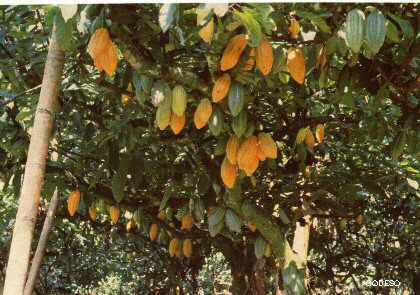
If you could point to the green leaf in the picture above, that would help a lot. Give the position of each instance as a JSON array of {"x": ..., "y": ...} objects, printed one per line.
[
  {"x": 405, "y": 25},
  {"x": 316, "y": 19},
  {"x": 252, "y": 26},
  {"x": 63, "y": 32},
  {"x": 217, "y": 217},
  {"x": 214, "y": 229},
  {"x": 233, "y": 221},
  {"x": 259, "y": 247},
  {"x": 199, "y": 209},
  {"x": 117, "y": 185},
  {"x": 166, "y": 196},
  {"x": 265, "y": 9},
  {"x": 203, "y": 185},
  {"x": 392, "y": 32},
  {"x": 167, "y": 15},
  {"x": 23, "y": 115}
]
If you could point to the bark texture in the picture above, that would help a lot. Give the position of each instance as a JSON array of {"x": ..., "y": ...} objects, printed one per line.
[
  {"x": 20, "y": 248},
  {"x": 42, "y": 245}
]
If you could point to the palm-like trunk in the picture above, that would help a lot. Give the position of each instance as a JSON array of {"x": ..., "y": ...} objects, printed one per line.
[{"x": 17, "y": 267}]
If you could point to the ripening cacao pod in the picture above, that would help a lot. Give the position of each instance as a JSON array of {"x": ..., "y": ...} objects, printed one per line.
[
  {"x": 247, "y": 155},
  {"x": 98, "y": 42},
  {"x": 375, "y": 31},
  {"x": 179, "y": 100},
  {"x": 301, "y": 135},
  {"x": 228, "y": 173},
  {"x": 163, "y": 117},
  {"x": 177, "y": 123},
  {"x": 355, "y": 27},
  {"x": 73, "y": 202},
  {"x": 187, "y": 248},
  {"x": 202, "y": 113},
  {"x": 319, "y": 132},
  {"x": 92, "y": 213},
  {"x": 232, "y": 147},
  {"x": 114, "y": 212},
  {"x": 252, "y": 165},
  {"x": 294, "y": 28},
  {"x": 173, "y": 247},
  {"x": 267, "y": 144},
  {"x": 187, "y": 222},
  {"x": 249, "y": 63},
  {"x": 264, "y": 57},
  {"x": 161, "y": 215},
  {"x": 239, "y": 123},
  {"x": 309, "y": 139},
  {"x": 236, "y": 99},
  {"x": 296, "y": 64},
  {"x": 221, "y": 87},
  {"x": 233, "y": 51},
  {"x": 206, "y": 33},
  {"x": 103, "y": 51},
  {"x": 153, "y": 231}
]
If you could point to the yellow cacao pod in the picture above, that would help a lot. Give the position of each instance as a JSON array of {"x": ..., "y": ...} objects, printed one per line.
[
  {"x": 260, "y": 154},
  {"x": 177, "y": 123},
  {"x": 106, "y": 57},
  {"x": 163, "y": 116},
  {"x": 233, "y": 51},
  {"x": 221, "y": 88},
  {"x": 268, "y": 146},
  {"x": 264, "y": 57},
  {"x": 301, "y": 135},
  {"x": 249, "y": 63},
  {"x": 232, "y": 147},
  {"x": 73, "y": 202},
  {"x": 294, "y": 28},
  {"x": 206, "y": 33},
  {"x": 247, "y": 155},
  {"x": 161, "y": 215},
  {"x": 187, "y": 222},
  {"x": 296, "y": 64},
  {"x": 359, "y": 219},
  {"x": 173, "y": 247},
  {"x": 98, "y": 42},
  {"x": 202, "y": 113},
  {"x": 319, "y": 132},
  {"x": 228, "y": 173},
  {"x": 187, "y": 248},
  {"x": 92, "y": 213},
  {"x": 114, "y": 212},
  {"x": 153, "y": 231},
  {"x": 251, "y": 166},
  {"x": 309, "y": 139}
]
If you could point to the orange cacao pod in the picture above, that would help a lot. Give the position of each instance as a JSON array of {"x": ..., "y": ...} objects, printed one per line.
[
  {"x": 114, "y": 212},
  {"x": 98, "y": 42},
  {"x": 247, "y": 155},
  {"x": 252, "y": 165},
  {"x": 319, "y": 132},
  {"x": 73, "y": 202},
  {"x": 264, "y": 57},
  {"x": 296, "y": 64},
  {"x": 187, "y": 248},
  {"x": 233, "y": 51},
  {"x": 92, "y": 213},
  {"x": 153, "y": 231},
  {"x": 187, "y": 222},
  {"x": 173, "y": 247},
  {"x": 232, "y": 147},
  {"x": 202, "y": 113},
  {"x": 309, "y": 139},
  {"x": 251, "y": 227},
  {"x": 221, "y": 88},
  {"x": 228, "y": 173},
  {"x": 249, "y": 64},
  {"x": 294, "y": 28},
  {"x": 268, "y": 146},
  {"x": 161, "y": 215},
  {"x": 260, "y": 154},
  {"x": 177, "y": 123}
]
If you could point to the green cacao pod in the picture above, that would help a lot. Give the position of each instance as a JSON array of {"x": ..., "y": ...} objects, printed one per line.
[
  {"x": 146, "y": 83},
  {"x": 260, "y": 245},
  {"x": 375, "y": 31},
  {"x": 236, "y": 100},
  {"x": 216, "y": 122},
  {"x": 239, "y": 124},
  {"x": 355, "y": 26},
  {"x": 161, "y": 93},
  {"x": 163, "y": 116},
  {"x": 179, "y": 100}
]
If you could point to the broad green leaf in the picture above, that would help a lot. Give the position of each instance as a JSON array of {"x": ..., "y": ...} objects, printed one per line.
[
  {"x": 117, "y": 185},
  {"x": 167, "y": 15},
  {"x": 64, "y": 32},
  {"x": 316, "y": 19},
  {"x": 166, "y": 196},
  {"x": 405, "y": 25},
  {"x": 252, "y": 26},
  {"x": 233, "y": 222},
  {"x": 23, "y": 115},
  {"x": 217, "y": 216},
  {"x": 392, "y": 32}
]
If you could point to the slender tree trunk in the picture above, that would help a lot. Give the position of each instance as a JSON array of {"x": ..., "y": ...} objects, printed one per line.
[
  {"x": 42, "y": 245},
  {"x": 301, "y": 242},
  {"x": 20, "y": 248}
]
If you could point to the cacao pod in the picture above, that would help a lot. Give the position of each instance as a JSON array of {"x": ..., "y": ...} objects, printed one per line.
[
  {"x": 216, "y": 122},
  {"x": 187, "y": 222},
  {"x": 251, "y": 227},
  {"x": 236, "y": 99},
  {"x": 107, "y": 60},
  {"x": 375, "y": 31},
  {"x": 309, "y": 139},
  {"x": 301, "y": 135},
  {"x": 253, "y": 180},
  {"x": 92, "y": 213},
  {"x": 355, "y": 27},
  {"x": 247, "y": 155},
  {"x": 228, "y": 173},
  {"x": 294, "y": 28},
  {"x": 319, "y": 132},
  {"x": 173, "y": 247},
  {"x": 153, "y": 232},
  {"x": 187, "y": 248},
  {"x": 163, "y": 117},
  {"x": 206, "y": 33},
  {"x": 98, "y": 43},
  {"x": 233, "y": 51},
  {"x": 296, "y": 64},
  {"x": 239, "y": 124},
  {"x": 179, "y": 100},
  {"x": 260, "y": 153},
  {"x": 267, "y": 144},
  {"x": 161, "y": 93},
  {"x": 126, "y": 97},
  {"x": 232, "y": 147},
  {"x": 73, "y": 202},
  {"x": 129, "y": 226},
  {"x": 202, "y": 113},
  {"x": 114, "y": 212},
  {"x": 264, "y": 57},
  {"x": 359, "y": 219},
  {"x": 249, "y": 63},
  {"x": 161, "y": 215},
  {"x": 221, "y": 87},
  {"x": 177, "y": 123}
]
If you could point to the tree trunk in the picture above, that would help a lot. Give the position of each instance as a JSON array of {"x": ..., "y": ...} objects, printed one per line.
[
  {"x": 301, "y": 243},
  {"x": 42, "y": 245},
  {"x": 20, "y": 248}
]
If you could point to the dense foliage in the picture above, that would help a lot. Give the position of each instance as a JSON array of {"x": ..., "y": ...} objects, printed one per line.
[{"x": 358, "y": 185}]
